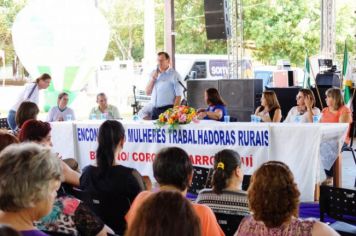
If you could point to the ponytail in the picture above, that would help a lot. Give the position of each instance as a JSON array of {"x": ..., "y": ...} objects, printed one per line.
[
  {"x": 225, "y": 163},
  {"x": 111, "y": 132}
]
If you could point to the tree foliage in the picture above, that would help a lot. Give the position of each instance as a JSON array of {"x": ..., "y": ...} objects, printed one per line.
[{"x": 276, "y": 29}]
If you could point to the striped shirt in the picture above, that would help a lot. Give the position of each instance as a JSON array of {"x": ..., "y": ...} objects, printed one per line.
[{"x": 228, "y": 202}]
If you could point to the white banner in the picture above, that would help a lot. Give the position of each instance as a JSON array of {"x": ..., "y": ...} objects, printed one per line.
[
  {"x": 143, "y": 141},
  {"x": 297, "y": 145}
]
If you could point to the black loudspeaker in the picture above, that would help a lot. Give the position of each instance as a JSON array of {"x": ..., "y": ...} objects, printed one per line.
[
  {"x": 290, "y": 78},
  {"x": 242, "y": 96},
  {"x": 196, "y": 89},
  {"x": 328, "y": 79},
  {"x": 216, "y": 19}
]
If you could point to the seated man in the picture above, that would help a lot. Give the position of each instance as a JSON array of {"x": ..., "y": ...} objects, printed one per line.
[
  {"x": 173, "y": 171},
  {"x": 109, "y": 111}
]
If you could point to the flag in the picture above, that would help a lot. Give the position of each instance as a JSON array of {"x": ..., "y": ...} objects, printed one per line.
[
  {"x": 346, "y": 77},
  {"x": 306, "y": 83}
]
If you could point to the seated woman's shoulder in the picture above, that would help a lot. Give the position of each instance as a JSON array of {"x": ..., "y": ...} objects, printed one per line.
[{"x": 320, "y": 228}]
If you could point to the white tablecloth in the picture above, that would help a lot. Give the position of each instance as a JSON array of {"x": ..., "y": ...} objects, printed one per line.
[{"x": 297, "y": 145}]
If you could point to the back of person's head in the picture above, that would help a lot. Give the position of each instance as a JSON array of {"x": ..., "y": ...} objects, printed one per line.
[
  {"x": 111, "y": 134},
  {"x": 26, "y": 173},
  {"x": 6, "y": 230},
  {"x": 6, "y": 139},
  {"x": 172, "y": 166},
  {"x": 336, "y": 94},
  {"x": 309, "y": 93},
  {"x": 34, "y": 131},
  {"x": 213, "y": 97},
  {"x": 271, "y": 99},
  {"x": 27, "y": 111},
  {"x": 273, "y": 195},
  {"x": 165, "y": 213},
  {"x": 225, "y": 164}
]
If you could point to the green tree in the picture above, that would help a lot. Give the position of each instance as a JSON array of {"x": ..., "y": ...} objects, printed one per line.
[
  {"x": 8, "y": 12},
  {"x": 284, "y": 29}
]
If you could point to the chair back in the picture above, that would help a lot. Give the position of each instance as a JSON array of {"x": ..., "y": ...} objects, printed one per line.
[
  {"x": 4, "y": 124},
  {"x": 338, "y": 203},
  {"x": 200, "y": 177},
  {"x": 110, "y": 209},
  {"x": 229, "y": 223}
]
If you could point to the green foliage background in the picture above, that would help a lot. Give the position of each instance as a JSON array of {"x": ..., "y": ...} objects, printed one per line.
[{"x": 273, "y": 29}]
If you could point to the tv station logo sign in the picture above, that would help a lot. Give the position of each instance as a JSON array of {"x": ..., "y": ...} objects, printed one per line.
[{"x": 218, "y": 68}]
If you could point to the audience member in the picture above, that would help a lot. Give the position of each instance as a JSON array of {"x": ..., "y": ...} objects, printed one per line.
[
  {"x": 270, "y": 110},
  {"x": 69, "y": 215},
  {"x": 173, "y": 171},
  {"x": 165, "y": 213},
  {"x": 335, "y": 112},
  {"x": 6, "y": 139},
  {"x": 305, "y": 109},
  {"x": 6, "y": 230},
  {"x": 274, "y": 201},
  {"x": 26, "y": 111},
  {"x": 40, "y": 132},
  {"x": 226, "y": 196},
  {"x": 216, "y": 106},
  {"x": 31, "y": 94},
  {"x": 110, "y": 180},
  {"x": 104, "y": 109},
  {"x": 61, "y": 112},
  {"x": 30, "y": 177}
]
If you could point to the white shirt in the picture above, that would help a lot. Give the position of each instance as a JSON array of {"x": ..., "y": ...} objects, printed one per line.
[
  {"x": 293, "y": 113},
  {"x": 55, "y": 114},
  {"x": 24, "y": 95}
]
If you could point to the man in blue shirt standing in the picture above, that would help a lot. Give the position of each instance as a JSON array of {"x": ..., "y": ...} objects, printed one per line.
[{"x": 164, "y": 86}]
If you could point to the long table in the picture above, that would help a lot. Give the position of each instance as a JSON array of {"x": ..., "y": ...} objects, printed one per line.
[{"x": 300, "y": 146}]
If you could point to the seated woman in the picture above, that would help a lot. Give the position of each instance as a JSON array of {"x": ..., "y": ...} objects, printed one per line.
[
  {"x": 6, "y": 139},
  {"x": 270, "y": 110},
  {"x": 305, "y": 109},
  {"x": 69, "y": 215},
  {"x": 26, "y": 111},
  {"x": 226, "y": 197},
  {"x": 274, "y": 206},
  {"x": 6, "y": 230},
  {"x": 161, "y": 206},
  {"x": 335, "y": 112},
  {"x": 216, "y": 106},
  {"x": 108, "y": 179},
  {"x": 30, "y": 177},
  {"x": 61, "y": 112},
  {"x": 40, "y": 132}
]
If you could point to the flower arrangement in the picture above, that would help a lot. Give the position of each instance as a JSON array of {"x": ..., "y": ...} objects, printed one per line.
[{"x": 176, "y": 116}]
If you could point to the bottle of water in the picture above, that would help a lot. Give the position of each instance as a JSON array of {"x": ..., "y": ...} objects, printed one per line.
[{"x": 136, "y": 118}]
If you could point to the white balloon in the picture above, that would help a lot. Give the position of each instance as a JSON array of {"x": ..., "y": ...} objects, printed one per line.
[{"x": 68, "y": 38}]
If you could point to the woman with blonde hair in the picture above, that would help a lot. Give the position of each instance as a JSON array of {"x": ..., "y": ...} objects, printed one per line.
[
  {"x": 30, "y": 177},
  {"x": 270, "y": 110},
  {"x": 335, "y": 112},
  {"x": 275, "y": 205}
]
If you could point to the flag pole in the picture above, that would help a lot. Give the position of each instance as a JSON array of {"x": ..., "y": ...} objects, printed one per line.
[{"x": 316, "y": 85}]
